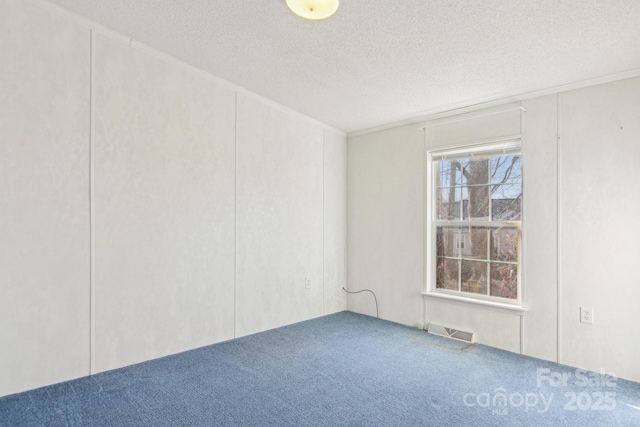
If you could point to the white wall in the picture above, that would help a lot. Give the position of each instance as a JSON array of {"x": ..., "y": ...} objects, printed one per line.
[
  {"x": 599, "y": 229},
  {"x": 540, "y": 227},
  {"x": 44, "y": 198},
  {"x": 335, "y": 221},
  {"x": 591, "y": 171},
  {"x": 148, "y": 208},
  {"x": 279, "y": 218},
  {"x": 384, "y": 226},
  {"x": 163, "y": 211}
]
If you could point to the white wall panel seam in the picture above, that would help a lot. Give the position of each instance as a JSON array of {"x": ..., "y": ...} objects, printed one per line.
[
  {"x": 559, "y": 227},
  {"x": 235, "y": 221},
  {"x": 345, "y": 249},
  {"x": 324, "y": 142},
  {"x": 92, "y": 236},
  {"x": 522, "y": 258},
  {"x": 426, "y": 223}
]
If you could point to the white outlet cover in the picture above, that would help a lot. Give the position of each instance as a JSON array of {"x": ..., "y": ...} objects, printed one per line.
[{"x": 586, "y": 315}]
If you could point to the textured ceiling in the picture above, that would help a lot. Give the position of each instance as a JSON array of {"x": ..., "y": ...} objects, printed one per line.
[{"x": 380, "y": 61}]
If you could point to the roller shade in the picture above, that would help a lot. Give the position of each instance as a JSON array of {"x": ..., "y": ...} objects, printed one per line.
[{"x": 512, "y": 146}]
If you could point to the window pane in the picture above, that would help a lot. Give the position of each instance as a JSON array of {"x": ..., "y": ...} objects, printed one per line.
[
  {"x": 504, "y": 280},
  {"x": 504, "y": 244},
  {"x": 447, "y": 241},
  {"x": 506, "y": 191},
  {"x": 474, "y": 277},
  {"x": 444, "y": 174},
  {"x": 476, "y": 239},
  {"x": 476, "y": 172},
  {"x": 448, "y": 204},
  {"x": 447, "y": 274},
  {"x": 450, "y": 173},
  {"x": 465, "y": 202},
  {"x": 476, "y": 203},
  {"x": 506, "y": 202},
  {"x": 459, "y": 166},
  {"x": 505, "y": 169}
]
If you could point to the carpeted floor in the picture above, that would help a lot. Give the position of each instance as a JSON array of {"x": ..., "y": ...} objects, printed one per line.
[{"x": 342, "y": 369}]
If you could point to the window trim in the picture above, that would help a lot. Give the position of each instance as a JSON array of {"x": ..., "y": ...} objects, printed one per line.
[
  {"x": 492, "y": 147},
  {"x": 460, "y": 299}
]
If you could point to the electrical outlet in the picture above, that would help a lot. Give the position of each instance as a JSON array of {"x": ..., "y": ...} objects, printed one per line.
[
  {"x": 307, "y": 283},
  {"x": 586, "y": 315}
]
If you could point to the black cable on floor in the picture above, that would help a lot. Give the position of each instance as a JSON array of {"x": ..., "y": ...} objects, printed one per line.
[{"x": 365, "y": 290}]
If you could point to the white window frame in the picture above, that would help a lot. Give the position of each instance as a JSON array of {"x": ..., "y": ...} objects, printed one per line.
[{"x": 493, "y": 147}]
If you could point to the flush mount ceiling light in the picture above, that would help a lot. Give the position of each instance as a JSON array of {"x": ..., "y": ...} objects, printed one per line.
[{"x": 313, "y": 9}]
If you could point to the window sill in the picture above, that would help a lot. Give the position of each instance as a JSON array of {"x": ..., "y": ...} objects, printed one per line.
[{"x": 489, "y": 305}]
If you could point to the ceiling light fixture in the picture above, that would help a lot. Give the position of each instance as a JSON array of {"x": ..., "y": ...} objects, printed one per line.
[{"x": 313, "y": 9}]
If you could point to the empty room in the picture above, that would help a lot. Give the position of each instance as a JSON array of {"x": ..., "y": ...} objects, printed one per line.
[{"x": 319, "y": 213}]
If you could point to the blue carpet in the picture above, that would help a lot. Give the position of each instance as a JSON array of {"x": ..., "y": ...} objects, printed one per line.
[{"x": 342, "y": 369}]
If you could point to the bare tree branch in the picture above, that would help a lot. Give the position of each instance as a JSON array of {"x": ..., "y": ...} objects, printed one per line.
[{"x": 506, "y": 176}]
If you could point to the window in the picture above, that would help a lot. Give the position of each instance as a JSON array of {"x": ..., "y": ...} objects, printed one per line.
[{"x": 475, "y": 215}]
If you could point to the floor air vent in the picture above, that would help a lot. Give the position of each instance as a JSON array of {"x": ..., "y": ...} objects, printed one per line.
[{"x": 450, "y": 333}]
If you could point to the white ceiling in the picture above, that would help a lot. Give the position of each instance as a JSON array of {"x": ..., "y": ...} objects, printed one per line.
[{"x": 380, "y": 61}]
